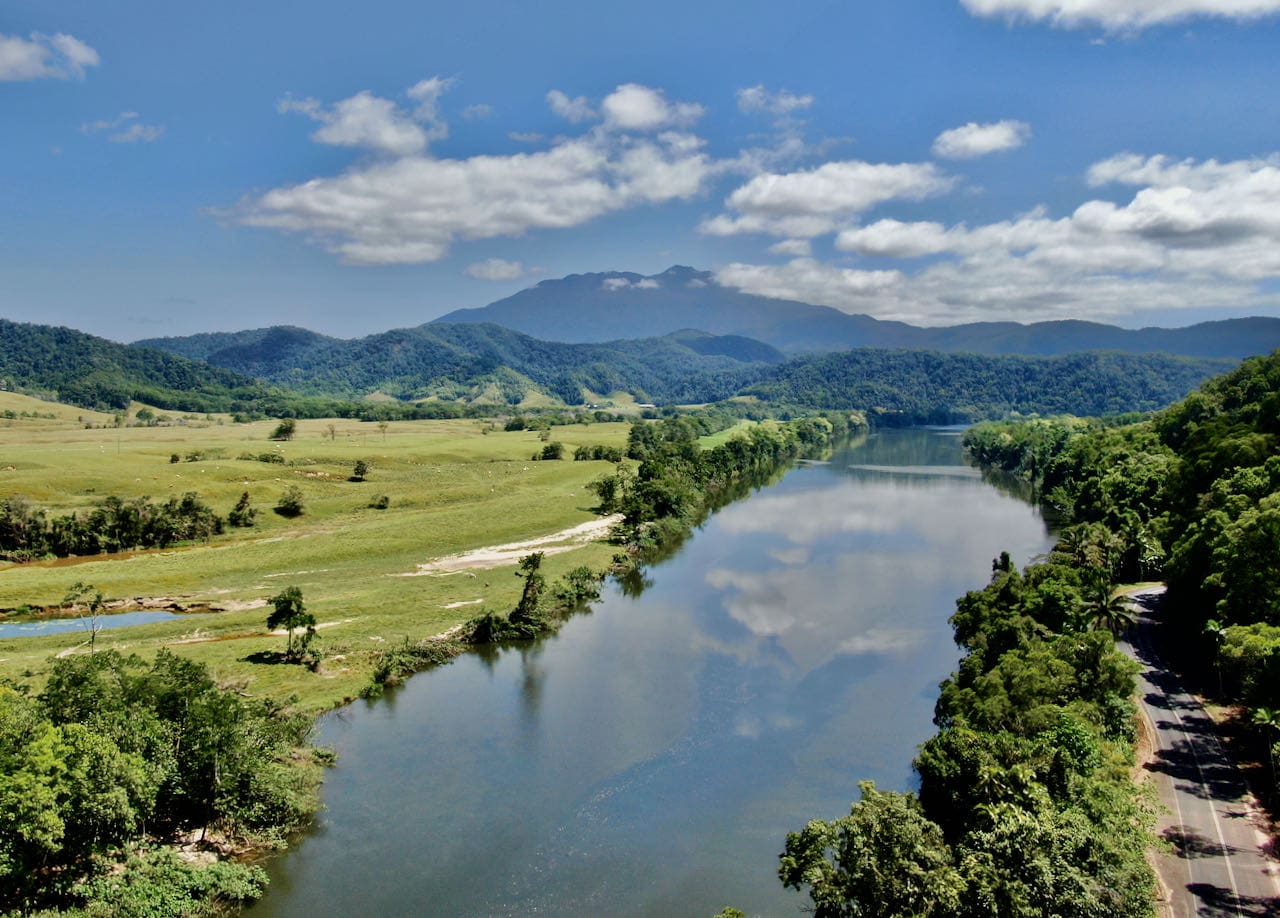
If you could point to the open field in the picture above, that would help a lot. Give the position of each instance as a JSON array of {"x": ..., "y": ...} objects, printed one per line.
[{"x": 454, "y": 487}]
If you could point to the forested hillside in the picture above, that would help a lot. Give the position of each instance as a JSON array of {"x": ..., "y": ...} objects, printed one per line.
[
  {"x": 463, "y": 361},
  {"x": 1193, "y": 496},
  {"x": 96, "y": 373},
  {"x": 926, "y": 386}
]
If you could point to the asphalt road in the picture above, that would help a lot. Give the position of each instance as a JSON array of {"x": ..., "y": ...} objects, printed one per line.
[{"x": 1217, "y": 866}]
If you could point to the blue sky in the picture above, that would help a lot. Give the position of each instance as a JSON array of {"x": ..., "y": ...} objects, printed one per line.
[{"x": 167, "y": 169}]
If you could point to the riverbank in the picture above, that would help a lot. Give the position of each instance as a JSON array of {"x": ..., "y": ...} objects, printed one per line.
[{"x": 538, "y": 609}]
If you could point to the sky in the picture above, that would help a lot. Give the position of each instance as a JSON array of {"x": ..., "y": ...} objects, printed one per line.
[{"x": 171, "y": 168}]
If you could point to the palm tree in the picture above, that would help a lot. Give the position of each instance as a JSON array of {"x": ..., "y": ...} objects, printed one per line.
[
  {"x": 1269, "y": 720},
  {"x": 1107, "y": 610}
]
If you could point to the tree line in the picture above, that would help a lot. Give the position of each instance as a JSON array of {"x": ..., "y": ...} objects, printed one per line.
[
  {"x": 1191, "y": 495},
  {"x": 1025, "y": 805},
  {"x": 115, "y": 524}
]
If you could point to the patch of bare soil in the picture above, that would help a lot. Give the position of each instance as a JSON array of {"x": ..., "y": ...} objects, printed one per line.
[{"x": 499, "y": 555}]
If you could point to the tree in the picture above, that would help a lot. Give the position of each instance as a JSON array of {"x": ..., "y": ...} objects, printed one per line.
[
  {"x": 382, "y": 426},
  {"x": 285, "y": 429},
  {"x": 1216, "y": 632},
  {"x": 360, "y": 470},
  {"x": 333, "y": 431},
  {"x": 1268, "y": 720},
  {"x": 288, "y": 612},
  {"x": 527, "y": 609},
  {"x": 90, "y": 617},
  {"x": 884, "y": 859},
  {"x": 290, "y": 503},
  {"x": 242, "y": 514}
]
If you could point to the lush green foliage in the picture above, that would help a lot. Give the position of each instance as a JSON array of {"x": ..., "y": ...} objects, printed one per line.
[
  {"x": 1025, "y": 805},
  {"x": 1193, "y": 493},
  {"x": 115, "y": 750},
  {"x": 913, "y": 387},
  {"x": 27, "y": 533},
  {"x": 97, "y": 373}
]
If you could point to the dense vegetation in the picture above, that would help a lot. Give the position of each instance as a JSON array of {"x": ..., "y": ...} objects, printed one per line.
[
  {"x": 117, "y": 757},
  {"x": 26, "y": 533},
  {"x": 1193, "y": 495},
  {"x": 1025, "y": 806},
  {"x": 96, "y": 373},
  {"x": 485, "y": 362},
  {"x": 912, "y": 387},
  {"x": 446, "y": 370}
]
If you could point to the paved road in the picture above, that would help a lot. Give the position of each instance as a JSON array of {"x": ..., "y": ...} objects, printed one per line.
[{"x": 1217, "y": 866}]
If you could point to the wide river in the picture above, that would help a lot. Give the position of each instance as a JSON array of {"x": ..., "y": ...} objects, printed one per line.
[{"x": 650, "y": 759}]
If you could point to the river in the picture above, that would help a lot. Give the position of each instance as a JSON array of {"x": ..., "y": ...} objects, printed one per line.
[{"x": 651, "y": 757}]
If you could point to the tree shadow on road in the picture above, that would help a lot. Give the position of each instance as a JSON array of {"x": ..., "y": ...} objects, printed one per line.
[
  {"x": 1215, "y": 900},
  {"x": 1191, "y": 845}
]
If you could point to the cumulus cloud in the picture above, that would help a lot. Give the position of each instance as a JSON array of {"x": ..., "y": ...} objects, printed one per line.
[
  {"x": 412, "y": 207},
  {"x": 39, "y": 57},
  {"x": 1194, "y": 234},
  {"x": 1120, "y": 15},
  {"x": 973, "y": 140},
  {"x": 782, "y": 102},
  {"x": 632, "y": 107},
  {"x": 369, "y": 121},
  {"x": 894, "y": 239},
  {"x": 614, "y": 284},
  {"x": 124, "y": 128},
  {"x": 496, "y": 269},
  {"x": 575, "y": 110},
  {"x": 802, "y": 205}
]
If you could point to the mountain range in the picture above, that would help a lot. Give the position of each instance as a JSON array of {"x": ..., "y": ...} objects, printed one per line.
[{"x": 615, "y": 305}]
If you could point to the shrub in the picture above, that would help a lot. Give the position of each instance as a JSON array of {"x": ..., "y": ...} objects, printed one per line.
[{"x": 290, "y": 503}]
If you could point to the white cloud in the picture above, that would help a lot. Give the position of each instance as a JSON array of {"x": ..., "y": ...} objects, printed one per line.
[
  {"x": 369, "y": 121},
  {"x": 137, "y": 133},
  {"x": 496, "y": 269},
  {"x": 632, "y": 107},
  {"x": 478, "y": 112},
  {"x": 812, "y": 281},
  {"x": 893, "y": 239},
  {"x": 1194, "y": 234},
  {"x": 614, "y": 284},
  {"x": 575, "y": 110},
  {"x": 782, "y": 102},
  {"x": 58, "y": 57},
  {"x": 124, "y": 128},
  {"x": 1120, "y": 15},
  {"x": 819, "y": 201},
  {"x": 526, "y": 137},
  {"x": 798, "y": 248},
  {"x": 973, "y": 140},
  {"x": 413, "y": 208}
]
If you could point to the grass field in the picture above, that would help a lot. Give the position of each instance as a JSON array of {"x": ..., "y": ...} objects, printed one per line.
[{"x": 453, "y": 486}]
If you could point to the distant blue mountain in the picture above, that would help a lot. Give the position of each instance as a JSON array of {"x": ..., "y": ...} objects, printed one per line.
[{"x": 618, "y": 305}]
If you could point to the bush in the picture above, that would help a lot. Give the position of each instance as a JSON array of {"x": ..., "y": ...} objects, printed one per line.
[
  {"x": 381, "y": 502},
  {"x": 290, "y": 503}
]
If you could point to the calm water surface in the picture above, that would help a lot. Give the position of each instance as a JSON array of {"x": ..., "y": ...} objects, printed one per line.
[
  {"x": 61, "y": 625},
  {"x": 650, "y": 759}
]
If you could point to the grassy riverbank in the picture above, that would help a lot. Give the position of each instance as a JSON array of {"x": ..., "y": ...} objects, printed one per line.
[{"x": 452, "y": 487}]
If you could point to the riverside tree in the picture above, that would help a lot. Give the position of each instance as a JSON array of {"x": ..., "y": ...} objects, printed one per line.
[{"x": 289, "y": 612}]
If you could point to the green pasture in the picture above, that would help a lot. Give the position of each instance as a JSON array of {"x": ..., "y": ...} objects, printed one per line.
[{"x": 453, "y": 486}]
